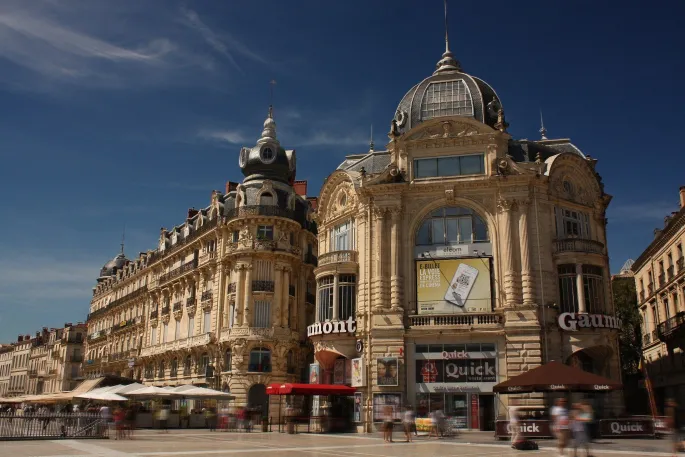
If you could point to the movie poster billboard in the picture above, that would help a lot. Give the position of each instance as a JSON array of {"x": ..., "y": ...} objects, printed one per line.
[
  {"x": 314, "y": 373},
  {"x": 387, "y": 370},
  {"x": 358, "y": 375},
  {"x": 454, "y": 286}
]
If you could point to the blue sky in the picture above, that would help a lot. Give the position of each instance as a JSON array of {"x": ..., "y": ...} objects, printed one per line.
[{"x": 128, "y": 113}]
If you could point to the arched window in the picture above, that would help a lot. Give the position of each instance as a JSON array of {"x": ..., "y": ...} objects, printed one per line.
[
  {"x": 187, "y": 366},
  {"x": 174, "y": 368},
  {"x": 267, "y": 199},
  {"x": 204, "y": 361},
  {"x": 228, "y": 360},
  {"x": 161, "y": 369},
  {"x": 446, "y": 98},
  {"x": 260, "y": 360},
  {"x": 452, "y": 225}
]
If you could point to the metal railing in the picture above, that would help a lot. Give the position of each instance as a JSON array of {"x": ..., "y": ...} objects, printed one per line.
[
  {"x": 262, "y": 286},
  {"x": 178, "y": 271},
  {"x": 38, "y": 426},
  {"x": 311, "y": 259},
  {"x": 650, "y": 289},
  {"x": 154, "y": 314},
  {"x": 662, "y": 279},
  {"x": 178, "y": 306},
  {"x": 578, "y": 245},
  {"x": 670, "y": 325},
  {"x": 680, "y": 263},
  {"x": 291, "y": 290},
  {"x": 467, "y": 320},
  {"x": 206, "y": 295},
  {"x": 641, "y": 295},
  {"x": 119, "y": 301},
  {"x": 337, "y": 257},
  {"x": 231, "y": 288},
  {"x": 166, "y": 309},
  {"x": 669, "y": 272}
]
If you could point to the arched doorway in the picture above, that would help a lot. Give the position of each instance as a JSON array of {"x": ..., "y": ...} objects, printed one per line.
[{"x": 257, "y": 399}]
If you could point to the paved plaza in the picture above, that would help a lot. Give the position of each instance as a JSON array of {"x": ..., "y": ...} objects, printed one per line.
[{"x": 214, "y": 444}]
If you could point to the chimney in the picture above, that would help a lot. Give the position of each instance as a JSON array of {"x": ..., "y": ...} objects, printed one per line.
[
  {"x": 657, "y": 233},
  {"x": 314, "y": 201},
  {"x": 192, "y": 212},
  {"x": 300, "y": 188},
  {"x": 231, "y": 186},
  {"x": 682, "y": 196},
  {"x": 20, "y": 338}
]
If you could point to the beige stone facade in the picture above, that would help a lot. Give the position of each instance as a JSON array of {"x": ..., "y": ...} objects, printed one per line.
[
  {"x": 223, "y": 300},
  {"x": 660, "y": 285},
  {"x": 528, "y": 214}
]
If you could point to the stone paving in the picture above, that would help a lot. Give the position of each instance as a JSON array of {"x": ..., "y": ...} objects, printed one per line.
[{"x": 215, "y": 444}]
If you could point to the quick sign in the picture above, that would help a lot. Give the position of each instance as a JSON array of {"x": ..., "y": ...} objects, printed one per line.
[
  {"x": 525, "y": 428},
  {"x": 456, "y": 371},
  {"x": 328, "y": 327},
  {"x": 573, "y": 322},
  {"x": 626, "y": 427}
]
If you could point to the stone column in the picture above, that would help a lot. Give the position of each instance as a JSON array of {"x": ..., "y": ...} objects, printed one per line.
[
  {"x": 286, "y": 297},
  {"x": 377, "y": 297},
  {"x": 336, "y": 297},
  {"x": 673, "y": 310},
  {"x": 279, "y": 300},
  {"x": 507, "y": 251},
  {"x": 653, "y": 321},
  {"x": 580, "y": 290},
  {"x": 527, "y": 283},
  {"x": 239, "y": 292},
  {"x": 247, "y": 300},
  {"x": 396, "y": 275},
  {"x": 681, "y": 298}
]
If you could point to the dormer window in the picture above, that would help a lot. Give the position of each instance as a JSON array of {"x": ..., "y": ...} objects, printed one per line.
[{"x": 267, "y": 199}]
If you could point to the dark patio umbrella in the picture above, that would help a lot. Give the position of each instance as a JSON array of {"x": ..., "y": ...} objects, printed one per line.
[{"x": 556, "y": 377}]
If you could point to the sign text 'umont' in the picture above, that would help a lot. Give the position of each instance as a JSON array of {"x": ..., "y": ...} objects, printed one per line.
[{"x": 328, "y": 327}]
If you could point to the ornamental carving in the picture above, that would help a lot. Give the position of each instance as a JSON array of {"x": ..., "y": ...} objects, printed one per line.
[
  {"x": 446, "y": 129},
  {"x": 504, "y": 205}
]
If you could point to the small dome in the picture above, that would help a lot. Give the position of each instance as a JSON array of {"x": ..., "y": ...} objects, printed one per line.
[
  {"x": 114, "y": 265},
  {"x": 448, "y": 92}
]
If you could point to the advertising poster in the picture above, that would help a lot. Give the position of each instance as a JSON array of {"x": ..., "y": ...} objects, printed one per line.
[
  {"x": 358, "y": 375},
  {"x": 456, "y": 371},
  {"x": 387, "y": 371},
  {"x": 454, "y": 286},
  {"x": 358, "y": 406},
  {"x": 339, "y": 371},
  {"x": 381, "y": 402},
  {"x": 348, "y": 371},
  {"x": 314, "y": 374}
]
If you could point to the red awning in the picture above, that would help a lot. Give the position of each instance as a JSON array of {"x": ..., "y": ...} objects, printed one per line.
[
  {"x": 311, "y": 389},
  {"x": 273, "y": 389}
]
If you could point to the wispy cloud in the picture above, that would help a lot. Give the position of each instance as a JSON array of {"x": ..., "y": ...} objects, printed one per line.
[
  {"x": 646, "y": 211},
  {"x": 324, "y": 138},
  {"x": 227, "y": 136},
  {"x": 222, "y": 43}
]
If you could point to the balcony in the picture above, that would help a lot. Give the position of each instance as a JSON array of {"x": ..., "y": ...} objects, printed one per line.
[
  {"x": 271, "y": 211},
  {"x": 578, "y": 245},
  {"x": 178, "y": 306},
  {"x": 641, "y": 296},
  {"x": 119, "y": 301},
  {"x": 52, "y": 371},
  {"x": 158, "y": 255},
  {"x": 252, "y": 333},
  {"x": 680, "y": 263},
  {"x": 465, "y": 321},
  {"x": 337, "y": 257},
  {"x": 154, "y": 314},
  {"x": 32, "y": 373},
  {"x": 123, "y": 324},
  {"x": 206, "y": 296},
  {"x": 670, "y": 273},
  {"x": 311, "y": 259},
  {"x": 231, "y": 288},
  {"x": 672, "y": 327},
  {"x": 262, "y": 286},
  {"x": 185, "y": 343},
  {"x": 655, "y": 336},
  {"x": 175, "y": 273},
  {"x": 650, "y": 289},
  {"x": 207, "y": 257},
  {"x": 166, "y": 309},
  {"x": 56, "y": 354}
]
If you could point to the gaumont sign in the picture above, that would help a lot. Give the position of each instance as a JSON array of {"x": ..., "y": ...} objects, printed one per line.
[
  {"x": 326, "y": 328},
  {"x": 529, "y": 429},
  {"x": 626, "y": 427},
  {"x": 573, "y": 322}
]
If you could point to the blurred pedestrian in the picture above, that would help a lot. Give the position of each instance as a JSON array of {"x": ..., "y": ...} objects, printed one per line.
[
  {"x": 560, "y": 423},
  {"x": 408, "y": 421}
]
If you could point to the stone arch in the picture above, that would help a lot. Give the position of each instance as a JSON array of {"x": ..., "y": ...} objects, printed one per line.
[
  {"x": 257, "y": 398},
  {"x": 331, "y": 188}
]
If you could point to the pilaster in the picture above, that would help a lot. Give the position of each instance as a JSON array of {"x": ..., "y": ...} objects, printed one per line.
[
  {"x": 505, "y": 208},
  {"x": 527, "y": 280},
  {"x": 396, "y": 278}
]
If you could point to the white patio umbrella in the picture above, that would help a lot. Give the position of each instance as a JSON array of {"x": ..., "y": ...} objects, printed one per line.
[
  {"x": 151, "y": 392},
  {"x": 125, "y": 389},
  {"x": 102, "y": 396},
  {"x": 190, "y": 391}
]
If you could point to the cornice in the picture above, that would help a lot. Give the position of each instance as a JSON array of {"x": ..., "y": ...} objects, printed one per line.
[{"x": 660, "y": 241}]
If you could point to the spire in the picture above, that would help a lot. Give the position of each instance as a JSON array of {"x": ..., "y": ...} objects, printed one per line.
[
  {"x": 123, "y": 239},
  {"x": 371, "y": 140},
  {"x": 447, "y": 62},
  {"x": 269, "y": 132},
  {"x": 543, "y": 130}
]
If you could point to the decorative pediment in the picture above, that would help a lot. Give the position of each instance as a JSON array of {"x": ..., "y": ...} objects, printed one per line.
[{"x": 446, "y": 129}]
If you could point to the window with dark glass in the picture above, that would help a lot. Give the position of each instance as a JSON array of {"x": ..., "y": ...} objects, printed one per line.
[
  {"x": 568, "y": 297},
  {"x": 452, "y": 225},
  {"x": 593, "y": 283},
  {"x": 325, "y": 304},
  {"x": 236, "y": 236},
  {"x": 265, "y": 232},
  {"x": 260, "y": 361},
  {"x": 174, "y": 368},
  {"x": 347, "y": 296},
  {"x": 435, "y": 167},
  {"x": 228, "y": 360}
]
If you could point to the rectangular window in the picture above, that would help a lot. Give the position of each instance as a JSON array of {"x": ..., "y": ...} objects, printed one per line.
[
  {"x": 666, "y": 310},
  {"x": 342, "y": 237},
  {"x": 265, "y": 232},
  {"x": 449, "y": 166},
  {"x": 262, "y": 315},
  {"x": 593, "y": 283},
  {"x": 572, "y": 224},
  {"x": 568, "y": 298},
  {"x": 206, "y": 322},
  {"x": 191, "y": 326},
  {"x": 231, "y": 315},
  {"x": 165, "y": 329},
  {"x": 325, "y": 304},
  {"x": 347, "y": 296},
  {"x": 177, "y": 330},
  {"x": 153, "y": 336},
  {"x": 236, "y": 236}
]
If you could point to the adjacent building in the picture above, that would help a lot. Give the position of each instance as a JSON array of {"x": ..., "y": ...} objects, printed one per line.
[
  {"x": 6, "y": 351},
  {"x": 458, "y": 256},
  {"x": 225, "y": 298},
  {"x": 660, "y": 285}
]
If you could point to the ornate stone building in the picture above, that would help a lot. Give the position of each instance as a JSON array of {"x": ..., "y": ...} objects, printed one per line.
[
  {"x": 459, "y": 257},
  {"x": 225, "y": 298},
  {"x": 55, "y": 359},
  {"x": 660, "y": 284}
]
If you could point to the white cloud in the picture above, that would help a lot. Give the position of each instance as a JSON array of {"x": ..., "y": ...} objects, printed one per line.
[
  {"x": 656, "y": 211},
  {"x": 322, "y": 138},
  {"x": 228, "y": 136}
]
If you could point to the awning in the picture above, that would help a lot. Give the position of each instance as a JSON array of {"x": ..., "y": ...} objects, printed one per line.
[
  {"x": 273, "y": 389},
  {"x": 313, "y": 389},
  {"x": 556, "y": 377}
]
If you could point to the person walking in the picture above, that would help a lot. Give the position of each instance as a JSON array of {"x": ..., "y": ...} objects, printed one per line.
[
  {"x": 387, "y": 424},
  {"x": 674, "y": 423},
  {"x": 164, "y": 419},
  {"x": 580, "y": 419},
  {"x": 409, "y": 421},
  {"x": 560, "y": 423},
  {"x": 514, "y": 426}
]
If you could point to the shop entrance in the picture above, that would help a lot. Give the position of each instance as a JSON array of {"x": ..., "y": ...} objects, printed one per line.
[
  {"x": 257, "y": 399},
  {"x": 486, "y": 412}
]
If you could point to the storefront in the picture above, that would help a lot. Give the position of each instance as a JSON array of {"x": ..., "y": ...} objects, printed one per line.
[{"x": 456, "y": 379}]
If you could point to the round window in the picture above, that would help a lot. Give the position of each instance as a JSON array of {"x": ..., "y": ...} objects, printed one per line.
[{"x": 267, "y": 154}]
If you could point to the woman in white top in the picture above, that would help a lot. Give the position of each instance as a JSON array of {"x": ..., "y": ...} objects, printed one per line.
[{"x": 408, "y": 422}]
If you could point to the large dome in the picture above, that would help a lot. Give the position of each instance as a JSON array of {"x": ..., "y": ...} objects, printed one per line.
[
  {"x": 448, "y": 92},
  {"x": 114, "y": 265}
]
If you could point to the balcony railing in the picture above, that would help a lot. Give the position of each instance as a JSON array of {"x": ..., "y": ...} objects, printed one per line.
[
  {"x": 680, "y": 263},
  {"x": 262, "y": 286},
  {"x": 311, "y": 259},
  {"x": 337, "y": 257},
  {"x": 650, "y": 289},
  {"x": 119, "y": 301},
  {"x": 206, "y": 295},
  {"x": 670, "y": 272},
  {"x": 206, "y": 257},
  {"x": 154, "y": 314},
  {"x": 32, "y": 373},
  {"x": 124, "y": 324},
  {"x": 186, "y": 267},
  {"x": 166, "y": 309},
  {"x": 459, "y": 320},
  {"x": 207, "y": 226},
  {"x": 578, "y": 245},
  {"x": 641, "y": 295},
  {"x": 178, "y": 306},
  {"x": 185, "y": 343},
  {"x": 670, "y": 326},
  {"x": 655, "y": 336},
  {"x": 231, "y": 288}
]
